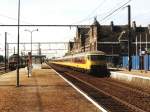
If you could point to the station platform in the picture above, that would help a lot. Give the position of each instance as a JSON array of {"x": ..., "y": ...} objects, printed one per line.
[
  {"x": 141, "y": 73},
  {"x": 44, "y": 91},
  {"x": 138, "y": 78}
]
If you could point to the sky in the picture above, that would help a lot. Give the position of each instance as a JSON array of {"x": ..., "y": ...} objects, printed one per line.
[{"x": 63, "y": 12}]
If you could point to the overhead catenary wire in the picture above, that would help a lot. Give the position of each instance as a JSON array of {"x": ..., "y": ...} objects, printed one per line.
[
  {"x": 104, "y": 1},
  {"x": 12, "y": 18},
  {"x": 122, "y": 6},
  {"x": 88, "y": 17},
  {"x": 111, "y": 12},
  {"x": 110, "y": 17},
  {"x": 116, "y": 6}
]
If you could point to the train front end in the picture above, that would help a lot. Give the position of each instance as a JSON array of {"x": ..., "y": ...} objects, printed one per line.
[{"x": 97, "y": 62}]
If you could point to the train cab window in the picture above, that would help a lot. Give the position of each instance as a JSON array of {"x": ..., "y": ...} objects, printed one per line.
[{"x": 97, "y": 57}]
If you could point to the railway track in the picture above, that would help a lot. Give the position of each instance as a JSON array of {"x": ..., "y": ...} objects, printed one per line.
[{"x": 112, "y": 95}]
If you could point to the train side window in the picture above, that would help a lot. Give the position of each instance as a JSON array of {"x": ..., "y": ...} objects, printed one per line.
[{"x": 98, "y": 57}]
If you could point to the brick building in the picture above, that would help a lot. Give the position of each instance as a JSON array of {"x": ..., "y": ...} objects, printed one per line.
[{"x": 112, "y": 39}]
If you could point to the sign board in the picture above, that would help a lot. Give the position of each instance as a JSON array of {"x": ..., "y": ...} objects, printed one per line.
[{"x": 142, "y": 53}]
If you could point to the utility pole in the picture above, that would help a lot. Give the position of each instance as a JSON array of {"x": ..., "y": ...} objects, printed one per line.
[
  {"x": 18, "y": 64},
  {"x": 5, "y": 50},
  {"x": 129, "y": 39}
]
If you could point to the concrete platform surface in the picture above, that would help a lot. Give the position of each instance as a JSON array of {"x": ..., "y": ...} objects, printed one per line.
[
  {"x": 44, "y": 91},
  {"x": 141, "y": 73},
  {"x": 137, "y": 78}
]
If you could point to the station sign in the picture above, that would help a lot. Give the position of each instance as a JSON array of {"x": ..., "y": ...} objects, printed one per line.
[{"x": 142, "y": 53}]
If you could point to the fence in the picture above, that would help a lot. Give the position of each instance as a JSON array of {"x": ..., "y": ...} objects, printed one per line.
[
  {"x": 138, "y": 62},
  {"x": 147, "y": 62}
]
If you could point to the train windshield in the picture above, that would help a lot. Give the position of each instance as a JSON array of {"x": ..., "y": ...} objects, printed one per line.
[{"x": 97, "y": 57}]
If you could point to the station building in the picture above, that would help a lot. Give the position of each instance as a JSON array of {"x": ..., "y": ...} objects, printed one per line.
[{"x": 112, "y": 39}]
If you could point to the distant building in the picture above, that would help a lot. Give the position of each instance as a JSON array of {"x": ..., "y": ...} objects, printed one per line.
[{"x": 112, "y": 39}]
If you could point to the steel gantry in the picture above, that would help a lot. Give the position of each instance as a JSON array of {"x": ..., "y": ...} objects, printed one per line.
[{"x": 40, "y": 25}]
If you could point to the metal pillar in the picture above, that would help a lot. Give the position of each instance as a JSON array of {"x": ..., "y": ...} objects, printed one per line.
[
  {"x": 5, "y": 50},
  {"x": 31, "y": 44},
  {"x": 18, "y": 45},
  {"x": 40, "y": 52},
  {"x": 129, "y": 39}
]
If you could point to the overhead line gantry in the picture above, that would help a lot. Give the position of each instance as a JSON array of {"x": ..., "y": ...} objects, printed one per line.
[{"x": 44, "y": 25}]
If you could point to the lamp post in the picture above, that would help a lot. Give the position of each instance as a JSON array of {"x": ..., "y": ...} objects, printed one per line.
[
  {"x": 31, "y": 31},
  {"x": 30, "y": 54}
]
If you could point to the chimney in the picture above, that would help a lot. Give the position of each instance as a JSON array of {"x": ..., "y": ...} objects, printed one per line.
[
  {"x": 70, "y": 45},
  {"x": 134, "y": 25},
  {"x": 149, "y": 27},
  {"x": 112, "y": 26}
]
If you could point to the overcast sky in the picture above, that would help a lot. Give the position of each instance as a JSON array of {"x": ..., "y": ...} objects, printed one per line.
[{"x": 64, "y": 12}]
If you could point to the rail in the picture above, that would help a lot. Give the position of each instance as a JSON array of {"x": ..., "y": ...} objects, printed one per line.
[
  {"x": 100, "y": 93},
  {"x": 109, "y": 95}
]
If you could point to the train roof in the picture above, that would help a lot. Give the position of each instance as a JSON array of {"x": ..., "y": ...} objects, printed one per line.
[
  {"x": 82, "y": 54},
  {"x": 89, "y": 53},
  {"x": 96, "y": 52}
]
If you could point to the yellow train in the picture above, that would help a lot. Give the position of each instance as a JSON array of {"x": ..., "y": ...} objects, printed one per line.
[{"x": 91, "y": 62}]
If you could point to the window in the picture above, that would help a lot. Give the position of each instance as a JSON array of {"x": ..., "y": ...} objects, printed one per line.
[{"x": 97, "y": 57}]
